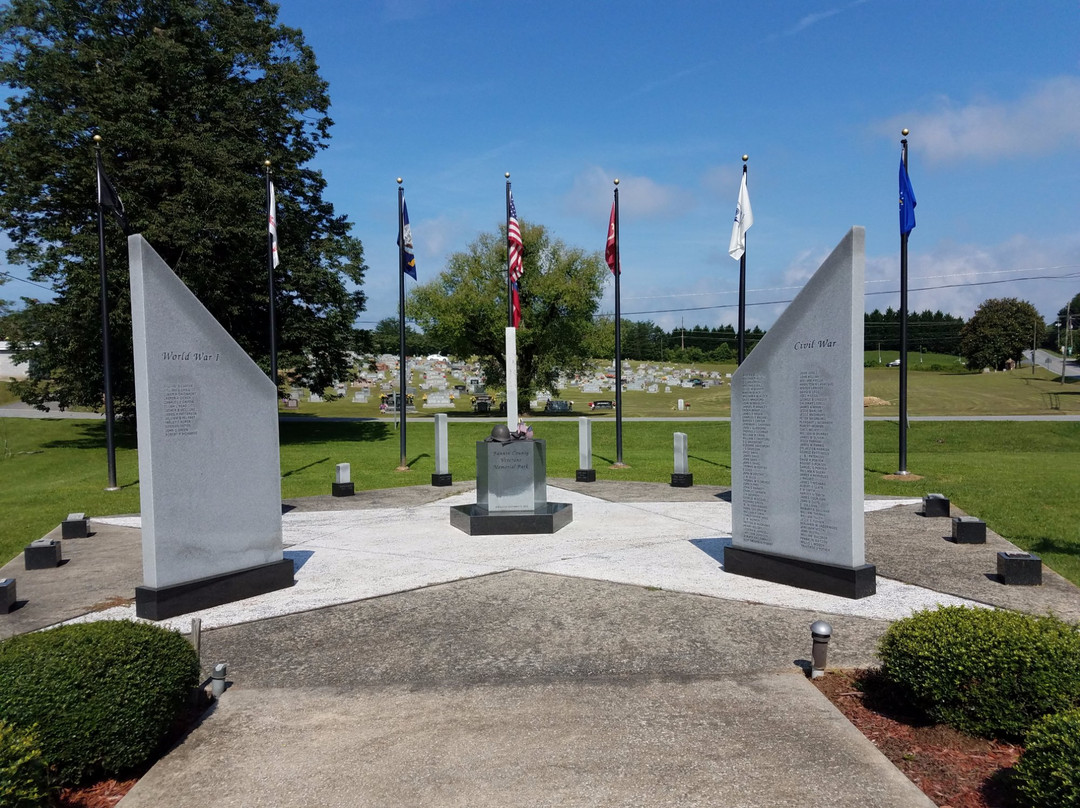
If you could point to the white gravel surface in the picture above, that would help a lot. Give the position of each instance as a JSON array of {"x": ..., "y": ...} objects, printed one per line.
[{"x": 349, "y": 555}]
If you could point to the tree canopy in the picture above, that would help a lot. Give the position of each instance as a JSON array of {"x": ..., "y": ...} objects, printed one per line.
[
  {"x": 463, "y": 310},
  {"x": 1001, "y": 329},
  {"x": 190, "y": 97}
]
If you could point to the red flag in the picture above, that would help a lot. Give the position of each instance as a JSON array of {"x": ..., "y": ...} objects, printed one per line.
[{"x": 609, "y": 253}]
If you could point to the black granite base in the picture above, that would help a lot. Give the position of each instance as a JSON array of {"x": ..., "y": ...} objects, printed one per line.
[
  {"x": 42, "y": 554},
  {"x": 1019, "y": 569},
  {"x": 845, "y": 582},
  {"x": 75, "y": 528},
  {"x": 682, "y": 480},
  {"x": 478, "y": 521},
  {"x": 7, "y": 595},
  {"x": 160, "y": 603},
  {"x": 968, "y": 530},
  {"x": 439, "y": 480},
  {"x": 585, "y": 475},
  {"x": 342, "y": 489},
  {"x": 935, "y": 505}
]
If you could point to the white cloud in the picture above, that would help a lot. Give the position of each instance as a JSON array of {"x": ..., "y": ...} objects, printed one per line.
[
  {"x": 956, "y": 278},
  {"x": 1045, "y": 119},
  {"x": 639, "y": 197}
]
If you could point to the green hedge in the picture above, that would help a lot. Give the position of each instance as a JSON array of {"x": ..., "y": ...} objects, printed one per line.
[
  {"x": 24, "y": 775},
  {"x": 1048, "y": 774},
  {"x": 983, "y": 671},
  {"x": 103, "y": 695}
]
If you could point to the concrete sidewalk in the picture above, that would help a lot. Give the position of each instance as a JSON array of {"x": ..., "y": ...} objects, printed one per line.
[{"x": 531, "y": 670}]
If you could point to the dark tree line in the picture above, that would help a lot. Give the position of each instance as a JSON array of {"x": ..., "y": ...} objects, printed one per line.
[{"x": 934, "y": 332}]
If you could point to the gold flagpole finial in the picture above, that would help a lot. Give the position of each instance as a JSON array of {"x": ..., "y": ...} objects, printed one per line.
[
  {"x": 97, "y": 139},
  {"x": 507, "y": 175},
  {"x": 904, "y": 132},
  {"x": 399, "y": 180},
  {"x": 616, "y": 180},
  {"x": 745, "y": 157}
]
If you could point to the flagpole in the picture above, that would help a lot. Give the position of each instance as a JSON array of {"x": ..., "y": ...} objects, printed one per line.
[
  {"x": 742, "y": 287},
  {"x": 403, "y": 465},
  {"x": 618, "y": 340},
  {"x": 510, "y": 334},
  {"x": 903, "y": 326},
  {"x": 509, "y": 281},
  {"x": 271, "y": 218},
  {"x": 106, "y": 352}
]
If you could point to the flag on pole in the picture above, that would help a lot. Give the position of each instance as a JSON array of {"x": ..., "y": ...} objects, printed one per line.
[
  {"x": 907, "y": 200},
  {"x": 108, "y": 198},
  {"x": 406, "y": 241},
  {"x": 744, "y": 218},
  {"x": 272, "y": 220},
  {"x": 515, "y": 263},
  {"x": 609, "y": 252}
]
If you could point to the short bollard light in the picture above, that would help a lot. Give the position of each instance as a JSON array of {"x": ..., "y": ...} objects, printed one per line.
[
  {"x": 821, "y": 632},
  {"x": 217, "y": 680}
]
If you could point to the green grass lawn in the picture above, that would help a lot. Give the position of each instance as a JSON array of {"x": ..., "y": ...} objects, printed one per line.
[{"x": 1021, "y": 478}]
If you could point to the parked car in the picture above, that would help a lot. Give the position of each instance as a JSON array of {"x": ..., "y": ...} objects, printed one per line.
[
  {"x": 602, "y": 405},
  {"x": 895, "y": 363}
]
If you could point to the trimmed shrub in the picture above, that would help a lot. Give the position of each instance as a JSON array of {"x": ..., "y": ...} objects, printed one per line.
[
  {"x": 1048, "y": 774},
  {"x": 103, "y": 695},
  {"x": 984, "y": 672},
  {"x": 24, "y": 775}
]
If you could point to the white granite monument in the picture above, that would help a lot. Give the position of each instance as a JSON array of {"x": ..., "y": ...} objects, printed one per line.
[
  {"x": 209, "y": 472},
  {"x": 797, "y": 439}
]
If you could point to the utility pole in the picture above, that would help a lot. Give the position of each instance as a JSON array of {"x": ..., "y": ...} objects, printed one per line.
[{"x": 1065, "y": 347}]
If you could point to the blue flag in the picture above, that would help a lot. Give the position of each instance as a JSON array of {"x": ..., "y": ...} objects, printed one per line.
[
  {"x": 407, "y": 247},
  {"x": 907, "y": 201}
]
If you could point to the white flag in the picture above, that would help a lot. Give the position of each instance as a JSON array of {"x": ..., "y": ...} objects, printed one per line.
[
  {"x": 744, "y": 217},
  {"x": 273, "y": 226}
]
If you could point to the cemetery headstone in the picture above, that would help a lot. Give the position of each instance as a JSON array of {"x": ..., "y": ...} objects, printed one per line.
[
  {"x": 76, "y": 526},
  {"x": 209, "y": 471},
  {"x": 797, "y": 439}
]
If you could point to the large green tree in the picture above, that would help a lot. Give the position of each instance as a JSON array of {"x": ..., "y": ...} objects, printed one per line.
[
  {"x": 190, "y": 97},
  {"x": 463, "y": 310},
  {"x": 1001, "y": 329}
]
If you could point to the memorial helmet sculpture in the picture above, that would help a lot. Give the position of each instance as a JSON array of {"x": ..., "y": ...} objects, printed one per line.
[{"x": 500, "y": 433}]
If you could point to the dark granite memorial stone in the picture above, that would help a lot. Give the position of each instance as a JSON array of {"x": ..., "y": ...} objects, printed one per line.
[
  {"x": 7, "y": 595},
  {"x": 1019, "y": 569},
  {"x": 76, "y": 526},
  {"x": 42, "y": 554},
  {"x": 342, "y": 489},
  {"x": 968, "y": 530},
  {"x": 935, "y": 505},
  {"x": 682, "y": 480}
]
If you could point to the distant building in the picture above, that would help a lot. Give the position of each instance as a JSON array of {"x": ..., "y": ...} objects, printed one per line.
[{"x": 8, "y": 368}]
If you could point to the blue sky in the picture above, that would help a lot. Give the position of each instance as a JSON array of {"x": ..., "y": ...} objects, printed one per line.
[{"x": 450, "y": 94}]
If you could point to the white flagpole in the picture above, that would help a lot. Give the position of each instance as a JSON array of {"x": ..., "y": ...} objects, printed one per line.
[{"x": 511, "y": 379}]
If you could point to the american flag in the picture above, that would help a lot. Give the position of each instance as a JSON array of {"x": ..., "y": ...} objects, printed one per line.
[{"x": 513, "y": 236}]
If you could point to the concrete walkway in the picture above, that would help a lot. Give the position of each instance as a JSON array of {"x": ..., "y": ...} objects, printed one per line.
[{"x": 614, "y": 663}]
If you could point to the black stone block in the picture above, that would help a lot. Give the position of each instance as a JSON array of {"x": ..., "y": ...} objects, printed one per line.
[
  {"x": 342, "y": 489},
  {"x": 42, "y": 554},
  {"x": 846, "y": 582},
  {"x": 585, "y": 475},
  {"x": 1019, "y": 569},
  {"x": 76, "y": 526},
  {"x": 935, "y": 505},
  {"x": 477, "y": 520},
  {"x": 968, "y": 530},
  {"x": 7, "y": 595},
  {"x": 161, "y": 603},
  {"x": 442, "y": 479},
  {"x": 682, "y": 480}
]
